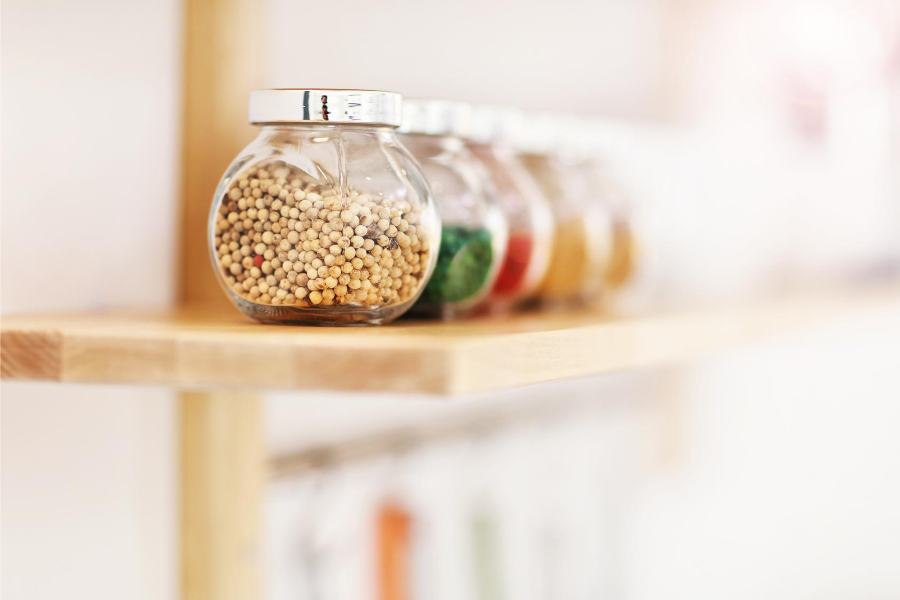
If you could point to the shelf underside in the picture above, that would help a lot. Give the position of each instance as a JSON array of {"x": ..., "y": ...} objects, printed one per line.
[{"x": 191, "y": 348}]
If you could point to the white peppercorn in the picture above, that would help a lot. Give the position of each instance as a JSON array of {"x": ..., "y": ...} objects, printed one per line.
[{"x": 286, "y": 240}]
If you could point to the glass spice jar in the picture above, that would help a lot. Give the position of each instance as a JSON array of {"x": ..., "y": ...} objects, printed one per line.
[
  {"x": 527, "y": 211},
  {"x": 581, "y": 241},
  {"x": 577, "y": 152},
  {"x": 473, "y": 239},
  {"x": 622, "y": 263},
  {"x": 579, "y": 181},
  {"x": 588, "y": 148},
  {"x": 324, "y": 218}
]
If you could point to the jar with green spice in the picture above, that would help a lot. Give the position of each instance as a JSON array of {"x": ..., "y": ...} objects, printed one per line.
[
  {"x": 464, "y": 266},
  {"x": 474, "y": 234}
]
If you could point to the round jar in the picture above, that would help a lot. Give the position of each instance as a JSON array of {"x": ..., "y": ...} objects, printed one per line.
[
  {"x": 587, "y": 149},
  {"x": 622, "y": 263},
  {"x": 324, "y": 218},
  {"x": 578, "y": 180},
  {"x": 473, "y": 239},
  {"x": 527, "y": 211},
  {"x": 581, "y": 241}
]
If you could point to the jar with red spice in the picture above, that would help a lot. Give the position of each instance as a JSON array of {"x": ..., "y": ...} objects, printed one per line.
[{"x": 527, "y": 211}]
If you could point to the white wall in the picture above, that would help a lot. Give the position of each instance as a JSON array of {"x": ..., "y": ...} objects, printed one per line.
[
  {"x": 89, "y": 493},
  {"x": 786, "y": 481},
  {"x": 587, "y": 57},
  {"x": 90, "y": 153},
  {"x": 89, "y": 160}
]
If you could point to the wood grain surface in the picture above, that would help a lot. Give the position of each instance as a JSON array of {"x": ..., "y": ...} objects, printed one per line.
[
  {"x": 196, "y": 348},
  {"x": 223, "y": 472},
  {"x": 220, "y": 70}
]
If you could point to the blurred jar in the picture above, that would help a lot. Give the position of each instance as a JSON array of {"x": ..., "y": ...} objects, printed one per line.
[
  {"x": 582, "y": 239},
  {"x": 526, "y": 209},
  {"x": 474, "y": 234},
  {"x": 622, "y": 264},
  {"x": 324, "y": 218},
  {"x": 582, "y": 152}
]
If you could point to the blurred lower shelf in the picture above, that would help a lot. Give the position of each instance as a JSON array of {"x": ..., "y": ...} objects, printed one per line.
[{"x": 188, "y": 347}]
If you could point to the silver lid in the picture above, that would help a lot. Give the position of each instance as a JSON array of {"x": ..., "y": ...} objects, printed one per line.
[
  {"x": 536, "y": 134},
  {"x": 436, "y": 117},
  {"x": 485, "y": 124},
  {"x": 326, "y": 106},
  {"x": 577, "y": 139},
  {"x": 495, "y": 124}
]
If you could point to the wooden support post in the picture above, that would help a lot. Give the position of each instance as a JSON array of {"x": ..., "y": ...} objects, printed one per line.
[
  {"x": 223, "y": 474},
  {"x": 223, "y": 462},
  {"x": 219, "y": 73}
]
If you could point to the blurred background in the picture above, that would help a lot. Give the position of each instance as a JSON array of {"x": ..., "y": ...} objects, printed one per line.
[{"x": 759, "y": 143}]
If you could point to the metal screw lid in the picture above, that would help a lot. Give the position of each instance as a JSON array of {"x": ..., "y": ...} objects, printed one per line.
[
  {"x": 493, "y": 124},
  {"x": 340, "y": 107},
  {"x": 436, "y": 117},
  {"x": 538, "y": 133}
]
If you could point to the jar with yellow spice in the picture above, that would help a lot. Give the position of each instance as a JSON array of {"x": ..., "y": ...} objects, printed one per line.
[{"x": 591, "y": 146}]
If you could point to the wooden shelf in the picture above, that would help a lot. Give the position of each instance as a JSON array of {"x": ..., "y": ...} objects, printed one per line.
[{"x": 190, "y": 348}]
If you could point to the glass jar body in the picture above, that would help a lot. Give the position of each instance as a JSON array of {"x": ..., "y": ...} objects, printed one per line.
[
  {"x": 324, "y": 224},
  {"x": 474, "y": 235},
  {"x": 623, "y": 255},
  {"x": 580, "y": 183},
  {"x": 530, "y": 221},
  {"x": 580, "y": 245}
]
